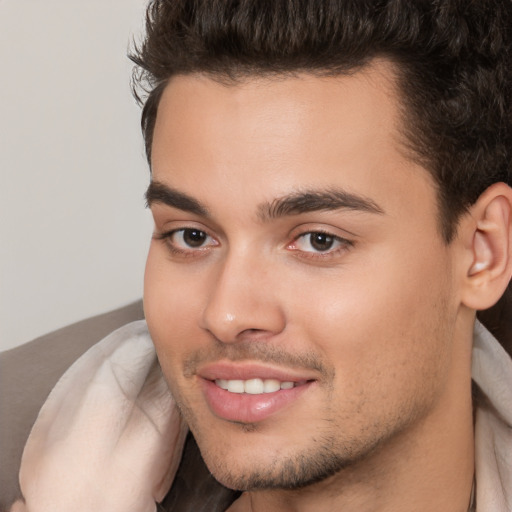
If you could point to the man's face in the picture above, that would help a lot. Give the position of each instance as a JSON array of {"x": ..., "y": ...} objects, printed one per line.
[{"x": 296, "y": 261}]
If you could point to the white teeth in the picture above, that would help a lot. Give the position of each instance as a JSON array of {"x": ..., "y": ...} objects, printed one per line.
[
  {"x": 222, "y": 383},
  {"x": 271, "y": 386},
  {"x": 253, "y": 386},
  {"x": 236, "y": 386}
]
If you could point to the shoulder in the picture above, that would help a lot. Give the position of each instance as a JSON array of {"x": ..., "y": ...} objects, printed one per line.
[{"x": 27, "y": 375}]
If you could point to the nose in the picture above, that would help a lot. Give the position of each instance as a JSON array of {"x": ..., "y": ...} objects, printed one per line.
[{"x": 243, "y": 301}]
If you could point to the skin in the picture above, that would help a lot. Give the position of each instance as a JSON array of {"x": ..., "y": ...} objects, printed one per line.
[{"x": 376, "y": 322}]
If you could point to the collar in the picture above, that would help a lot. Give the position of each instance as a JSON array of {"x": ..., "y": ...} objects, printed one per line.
[
  {"x": 492, "y": 373},
  {"x": 109, "y": 437}
]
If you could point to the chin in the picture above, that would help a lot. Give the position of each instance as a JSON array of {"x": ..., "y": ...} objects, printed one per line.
[{"x": 250, "y": 468}]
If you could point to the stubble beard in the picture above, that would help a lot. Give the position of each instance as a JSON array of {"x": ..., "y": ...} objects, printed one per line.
[
  {"x": 327, "y": 453},
  {"x": 326, "y": 456},
  {"x": 292, "y": 473}
]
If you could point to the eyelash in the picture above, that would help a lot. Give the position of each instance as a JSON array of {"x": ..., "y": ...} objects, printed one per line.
[
  {"x": 167, "y": 237},
  {"x": 343, "y": 244}
]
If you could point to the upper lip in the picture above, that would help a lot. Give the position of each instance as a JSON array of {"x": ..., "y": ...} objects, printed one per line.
[{"x": 229, "y": 370}]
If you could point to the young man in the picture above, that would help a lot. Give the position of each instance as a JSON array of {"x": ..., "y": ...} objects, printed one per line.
[{"x": 329, "y": 190}]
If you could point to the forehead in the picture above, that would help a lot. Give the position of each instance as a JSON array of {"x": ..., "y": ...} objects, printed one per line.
[
  {"x": 277, "y": 112},
  {"x": 260, "y": 138}
]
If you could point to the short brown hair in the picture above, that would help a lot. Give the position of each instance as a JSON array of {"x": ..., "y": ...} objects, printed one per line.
[{"x": 454, "y": 59}]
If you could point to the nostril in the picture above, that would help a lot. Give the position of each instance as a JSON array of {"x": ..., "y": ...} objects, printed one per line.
[
  {"x": 253, "y": 335},
  {"x": 251, "y": 331}
]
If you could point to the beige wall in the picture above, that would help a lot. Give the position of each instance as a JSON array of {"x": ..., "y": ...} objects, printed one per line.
[{"x": 73, "y": 229}]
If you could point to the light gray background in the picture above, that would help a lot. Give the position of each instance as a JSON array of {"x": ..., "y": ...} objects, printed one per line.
[{"x": 73, "y": 229}]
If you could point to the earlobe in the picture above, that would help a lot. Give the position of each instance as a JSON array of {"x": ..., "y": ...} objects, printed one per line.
[{"x": 491, "y": 247}]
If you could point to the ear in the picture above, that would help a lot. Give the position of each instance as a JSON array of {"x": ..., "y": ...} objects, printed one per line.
[{"x": 487, "y": 232}]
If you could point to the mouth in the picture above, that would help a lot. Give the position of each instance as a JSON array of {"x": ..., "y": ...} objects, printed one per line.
[
  {"x": 251, "y": 393},
  {"x": 256, "y": 386}
]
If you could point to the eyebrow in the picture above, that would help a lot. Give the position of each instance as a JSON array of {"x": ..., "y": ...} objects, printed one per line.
[
  {"x": 157, "y": 192},
  {"x": 293, "y": 204},
  {"x": 317, "y": 200}
]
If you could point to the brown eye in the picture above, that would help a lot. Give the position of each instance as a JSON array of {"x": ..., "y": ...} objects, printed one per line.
[
  {"x": 319, "y": 244},
  {"x": 321, "y": 241},
  {"x": 194, "y": 237},
  {"x": 187, "y": 240}
]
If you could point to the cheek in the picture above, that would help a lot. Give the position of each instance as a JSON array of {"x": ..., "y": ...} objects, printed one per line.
[
  {"x": 387, "y": 331},
  {"x": 171, "y": 303}
]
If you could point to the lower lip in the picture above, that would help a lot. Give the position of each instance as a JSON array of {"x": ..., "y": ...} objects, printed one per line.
[{"x": 247, "y": 408}]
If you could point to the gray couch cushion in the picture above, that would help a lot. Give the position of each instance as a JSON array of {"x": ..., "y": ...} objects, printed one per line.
[{"x": 28, "y": 374}]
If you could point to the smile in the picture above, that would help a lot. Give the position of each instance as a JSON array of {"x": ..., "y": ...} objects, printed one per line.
[
  {"x": 255, "y": 386},
  {"x": 252, "y": 400}
]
